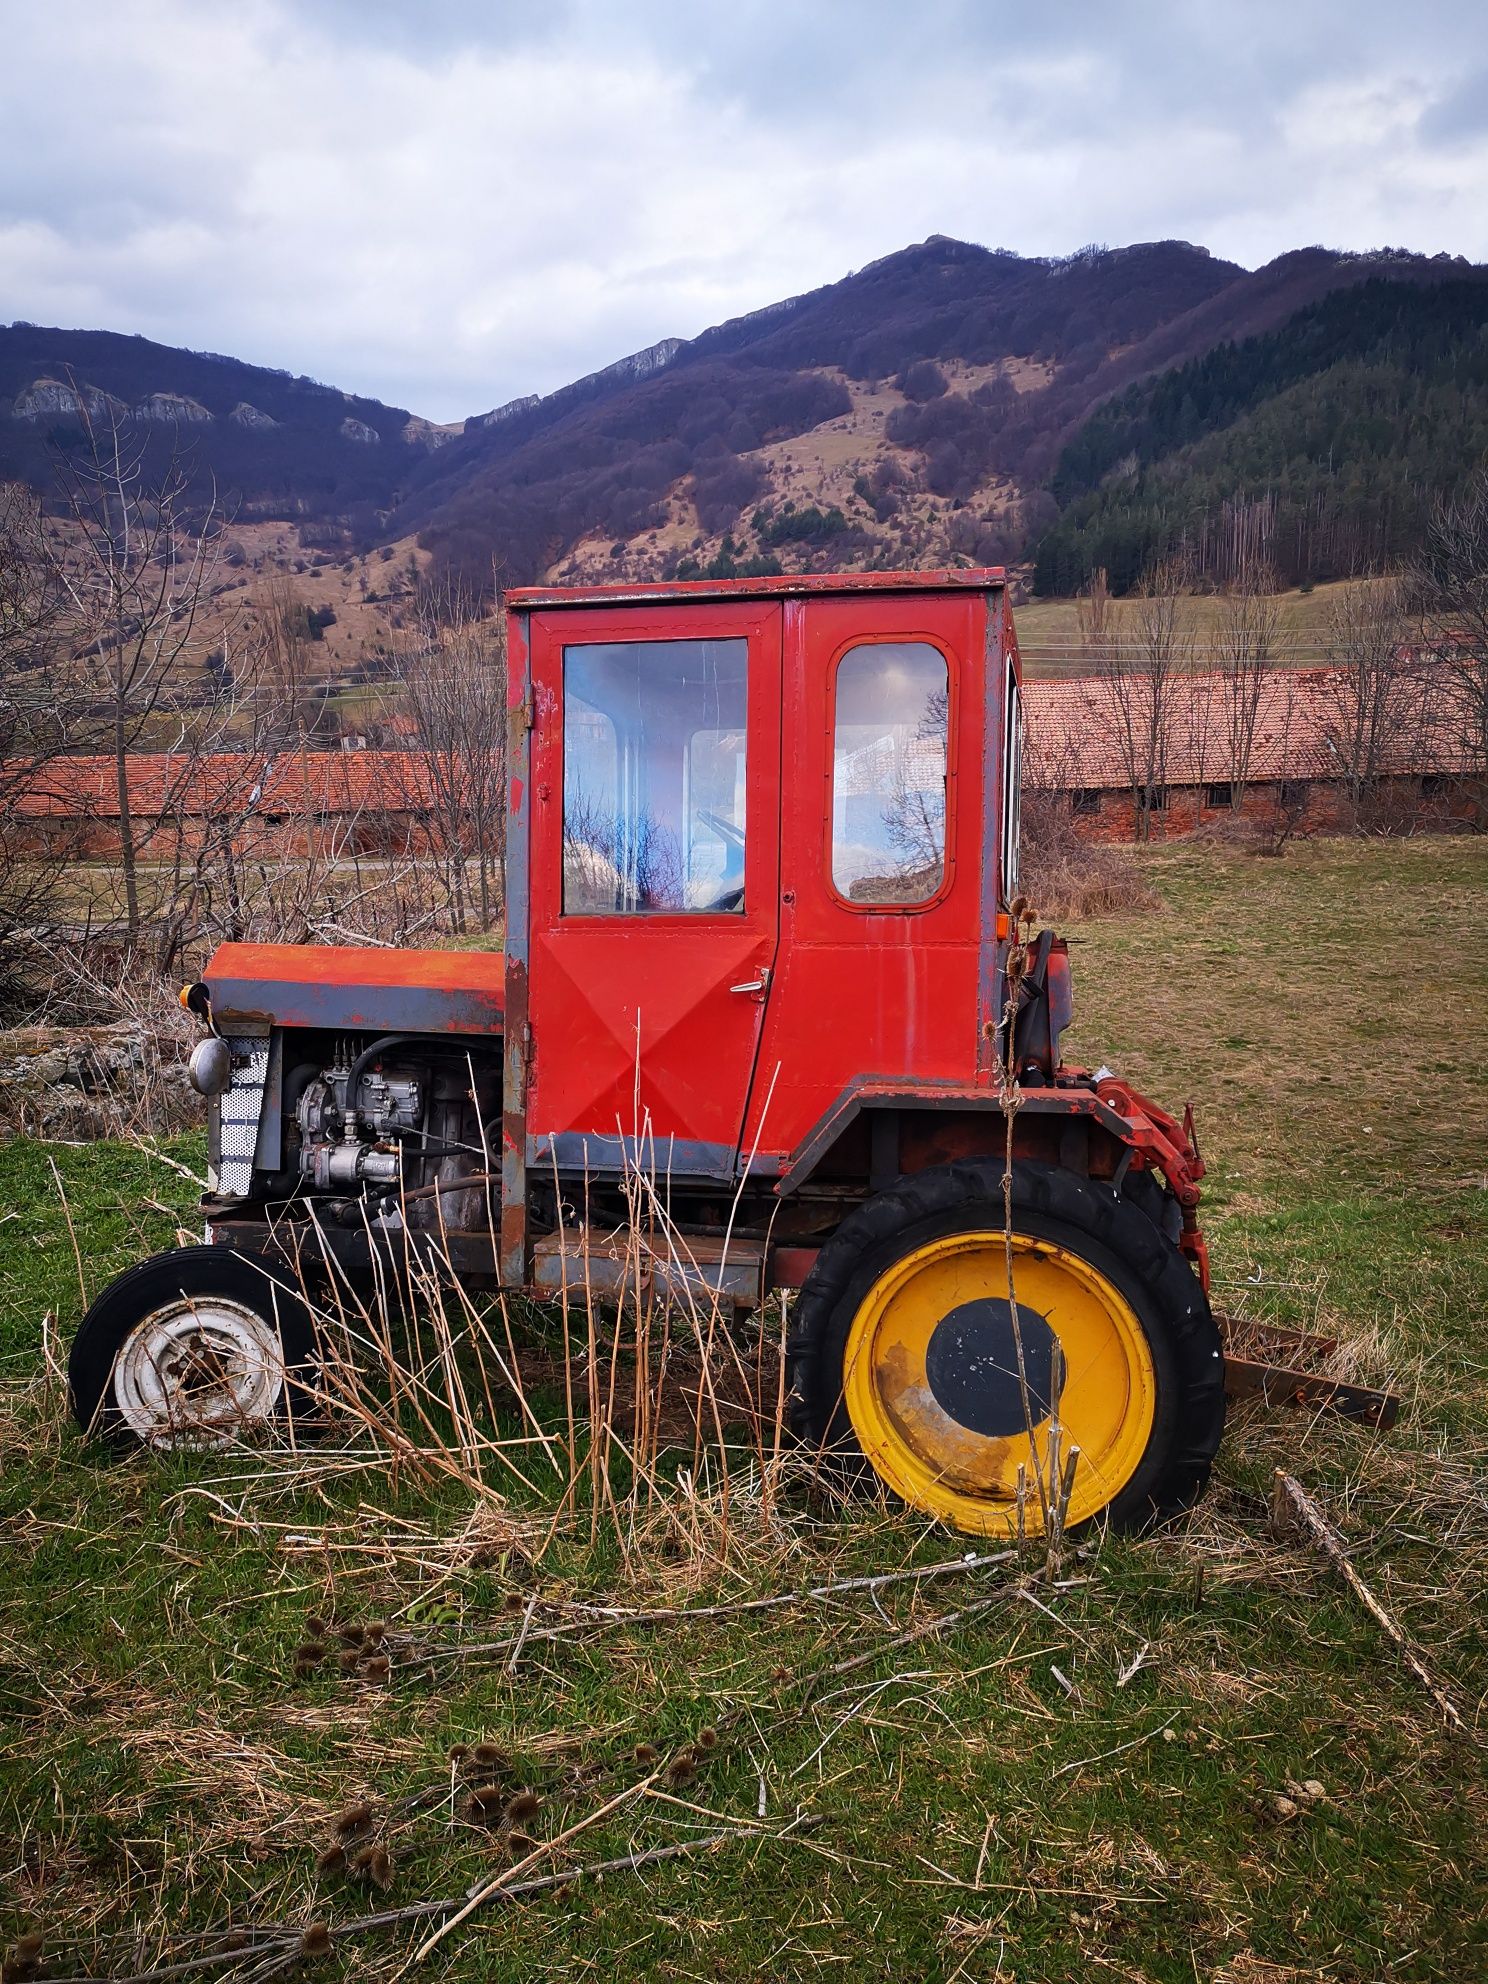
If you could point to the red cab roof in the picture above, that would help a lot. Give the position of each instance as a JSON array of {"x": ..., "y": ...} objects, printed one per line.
[{"x": 975, "y": 578}]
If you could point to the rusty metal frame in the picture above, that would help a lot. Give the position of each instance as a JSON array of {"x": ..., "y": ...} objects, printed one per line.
[
  {"x": 1269, "y": 1362},
  {"x": 789, "y": 585}
]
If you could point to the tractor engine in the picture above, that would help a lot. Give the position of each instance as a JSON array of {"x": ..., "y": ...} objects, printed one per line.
[
  {"x": 347, "y": 1141},
  {"x": 392, "y": 1128}
]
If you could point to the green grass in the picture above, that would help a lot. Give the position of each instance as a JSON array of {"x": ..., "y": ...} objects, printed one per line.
[{"x": 160, "y": 1770}]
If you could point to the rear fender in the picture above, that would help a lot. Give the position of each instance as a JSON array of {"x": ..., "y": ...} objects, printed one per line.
[{"x": 880, "y": 1129}]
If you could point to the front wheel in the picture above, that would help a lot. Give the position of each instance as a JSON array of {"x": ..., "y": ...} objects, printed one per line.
[
  {"x": 911, "y": 1353},
  {"x": 193, "y": 1348}
]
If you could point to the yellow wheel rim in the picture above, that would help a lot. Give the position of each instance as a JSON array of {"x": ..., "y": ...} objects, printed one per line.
[{"x": 932, "y": 1386}]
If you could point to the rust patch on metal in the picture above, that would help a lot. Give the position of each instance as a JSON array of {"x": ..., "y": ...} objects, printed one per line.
[{"x": 971, "y": 1462}]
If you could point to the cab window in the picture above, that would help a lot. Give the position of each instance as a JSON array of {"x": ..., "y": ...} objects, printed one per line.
[
  {"x": 889, "y": 748},
  {"x": 653, "y": 777}
]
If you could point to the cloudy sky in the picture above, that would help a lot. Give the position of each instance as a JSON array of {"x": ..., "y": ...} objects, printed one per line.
[{"x": 445, "y": 203}]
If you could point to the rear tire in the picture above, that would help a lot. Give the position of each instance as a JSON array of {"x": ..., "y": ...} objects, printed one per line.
[
  {"x": 191, "y": 1349},
  {"x": 903, "y": 1353}
]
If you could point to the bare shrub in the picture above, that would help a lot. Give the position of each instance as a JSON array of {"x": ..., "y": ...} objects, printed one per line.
[
  {"x": 1449, "y": 582},
  {"x": 454, "y": 687},
  {"x": 1065, "y": 874}
]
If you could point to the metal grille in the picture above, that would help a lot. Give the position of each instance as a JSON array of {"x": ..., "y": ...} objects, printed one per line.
[{"x": 239, "y": 1111}]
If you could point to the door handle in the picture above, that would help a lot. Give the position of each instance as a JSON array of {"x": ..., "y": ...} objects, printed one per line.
[{"x": 758, "y": 986}]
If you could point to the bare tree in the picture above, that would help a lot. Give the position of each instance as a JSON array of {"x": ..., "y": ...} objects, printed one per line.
[
  {"x": 1450, "y": 583},
  {"x": 1142, "y": 675},
  {"x": 454, "y": 687},
  {"x": 136, "y": 571},
  {"x": 262, "y": 838},
  {"x": 1250, "y": 643},
  {"x": 280, "y": 666},
  {"x": 1295, "y": 749},
  {"x": 1374, "y": 696},
  {"x": 1096, "y": 621},
  {"x": 37, "y": 720}
]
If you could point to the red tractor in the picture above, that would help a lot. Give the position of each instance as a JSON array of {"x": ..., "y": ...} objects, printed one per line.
[{"x": 764, "y": 941}]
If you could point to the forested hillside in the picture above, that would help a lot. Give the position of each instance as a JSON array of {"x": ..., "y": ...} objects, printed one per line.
[
  {"x": 942, "y": 405},
  {"x": 1348, "y": 419}
]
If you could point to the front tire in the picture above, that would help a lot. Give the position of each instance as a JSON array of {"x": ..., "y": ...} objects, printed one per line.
[
  {"x": 194, "y": 1348},
  {"x": 907, "y": 1356}
]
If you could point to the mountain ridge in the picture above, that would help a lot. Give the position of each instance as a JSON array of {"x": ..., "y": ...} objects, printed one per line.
[{"x": 914, "y": 410}]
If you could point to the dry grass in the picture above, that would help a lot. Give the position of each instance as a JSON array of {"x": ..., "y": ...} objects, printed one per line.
[{"x": 1072, "y": 880}]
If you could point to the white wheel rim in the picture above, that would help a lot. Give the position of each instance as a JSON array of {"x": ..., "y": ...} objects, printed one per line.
[{"x": 200, "y": 1372}]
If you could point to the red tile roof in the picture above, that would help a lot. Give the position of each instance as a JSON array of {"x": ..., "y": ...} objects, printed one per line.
[
  {"x": 1076, "y": 730},
  {"x": 292, "y": 784}
]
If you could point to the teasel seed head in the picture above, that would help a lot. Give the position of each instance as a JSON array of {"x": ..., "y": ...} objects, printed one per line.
[
  {"x": 348, "y": 1658},
  {"x": 523, "y": 1805},
  {"x": 485, "y": 1804},
  {"x": 646, "y": 1753},
  {"x": 331, "y": 1859},
  {"x": 354, "y": 1819},
  {"x": 514, "y": 1602},
  {"x": 378, "y": 1667},
  {"x": 316, "y": 1626},
  {"x": 381, "y": 1867},
  {"x": 376, "y": 1632},
  {"x": 352, "y": 1635},
  {"x": 520, "y": 1844},
  {"x": 707, "y": 1738},
  {"x": 682, "y": 1769},
  {"x": 360, "y": 1862},
  {"x": 487, "y": 1756},
  {"x": 22, "y": 1960},
  {"x": 316, "y": 1940},
  {"x": 458, "y": 1752}
]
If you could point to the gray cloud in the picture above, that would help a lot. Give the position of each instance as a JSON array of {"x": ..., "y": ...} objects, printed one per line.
[{"x": 451, "y": 204}]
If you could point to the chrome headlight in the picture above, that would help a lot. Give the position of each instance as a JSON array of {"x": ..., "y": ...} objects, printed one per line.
[{"x": 210, "y": 1068}]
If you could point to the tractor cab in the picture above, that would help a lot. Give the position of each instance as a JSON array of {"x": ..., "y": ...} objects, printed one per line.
[{"x": 769, "y": 841}]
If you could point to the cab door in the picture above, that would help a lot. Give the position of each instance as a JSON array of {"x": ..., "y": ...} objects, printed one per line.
[{"x": 655, "y": 879}]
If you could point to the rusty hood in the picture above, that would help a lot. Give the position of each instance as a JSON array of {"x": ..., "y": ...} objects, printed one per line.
[{"x": 336, "y": 985}]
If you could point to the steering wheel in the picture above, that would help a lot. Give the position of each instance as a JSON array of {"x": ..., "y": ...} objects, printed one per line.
[{"x": 725, "y": 829}]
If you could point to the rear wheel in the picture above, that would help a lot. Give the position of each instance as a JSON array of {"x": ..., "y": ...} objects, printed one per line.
[
  {"x": 193, "y": 1348},
  {"x": 911, "y": 1354}
]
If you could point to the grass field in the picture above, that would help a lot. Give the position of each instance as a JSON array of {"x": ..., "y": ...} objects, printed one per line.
[{"x": 1019, "y": 1796}]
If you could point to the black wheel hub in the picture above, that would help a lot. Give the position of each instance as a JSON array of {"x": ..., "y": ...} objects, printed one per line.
[{"x": 971, "y": 1363}]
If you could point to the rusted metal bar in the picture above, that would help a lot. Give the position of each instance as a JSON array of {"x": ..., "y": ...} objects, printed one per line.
[{"x": 1270, "y": 1362}]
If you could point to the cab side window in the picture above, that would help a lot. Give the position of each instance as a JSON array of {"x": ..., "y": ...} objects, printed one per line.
[{"x": 889, "y": 753}]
